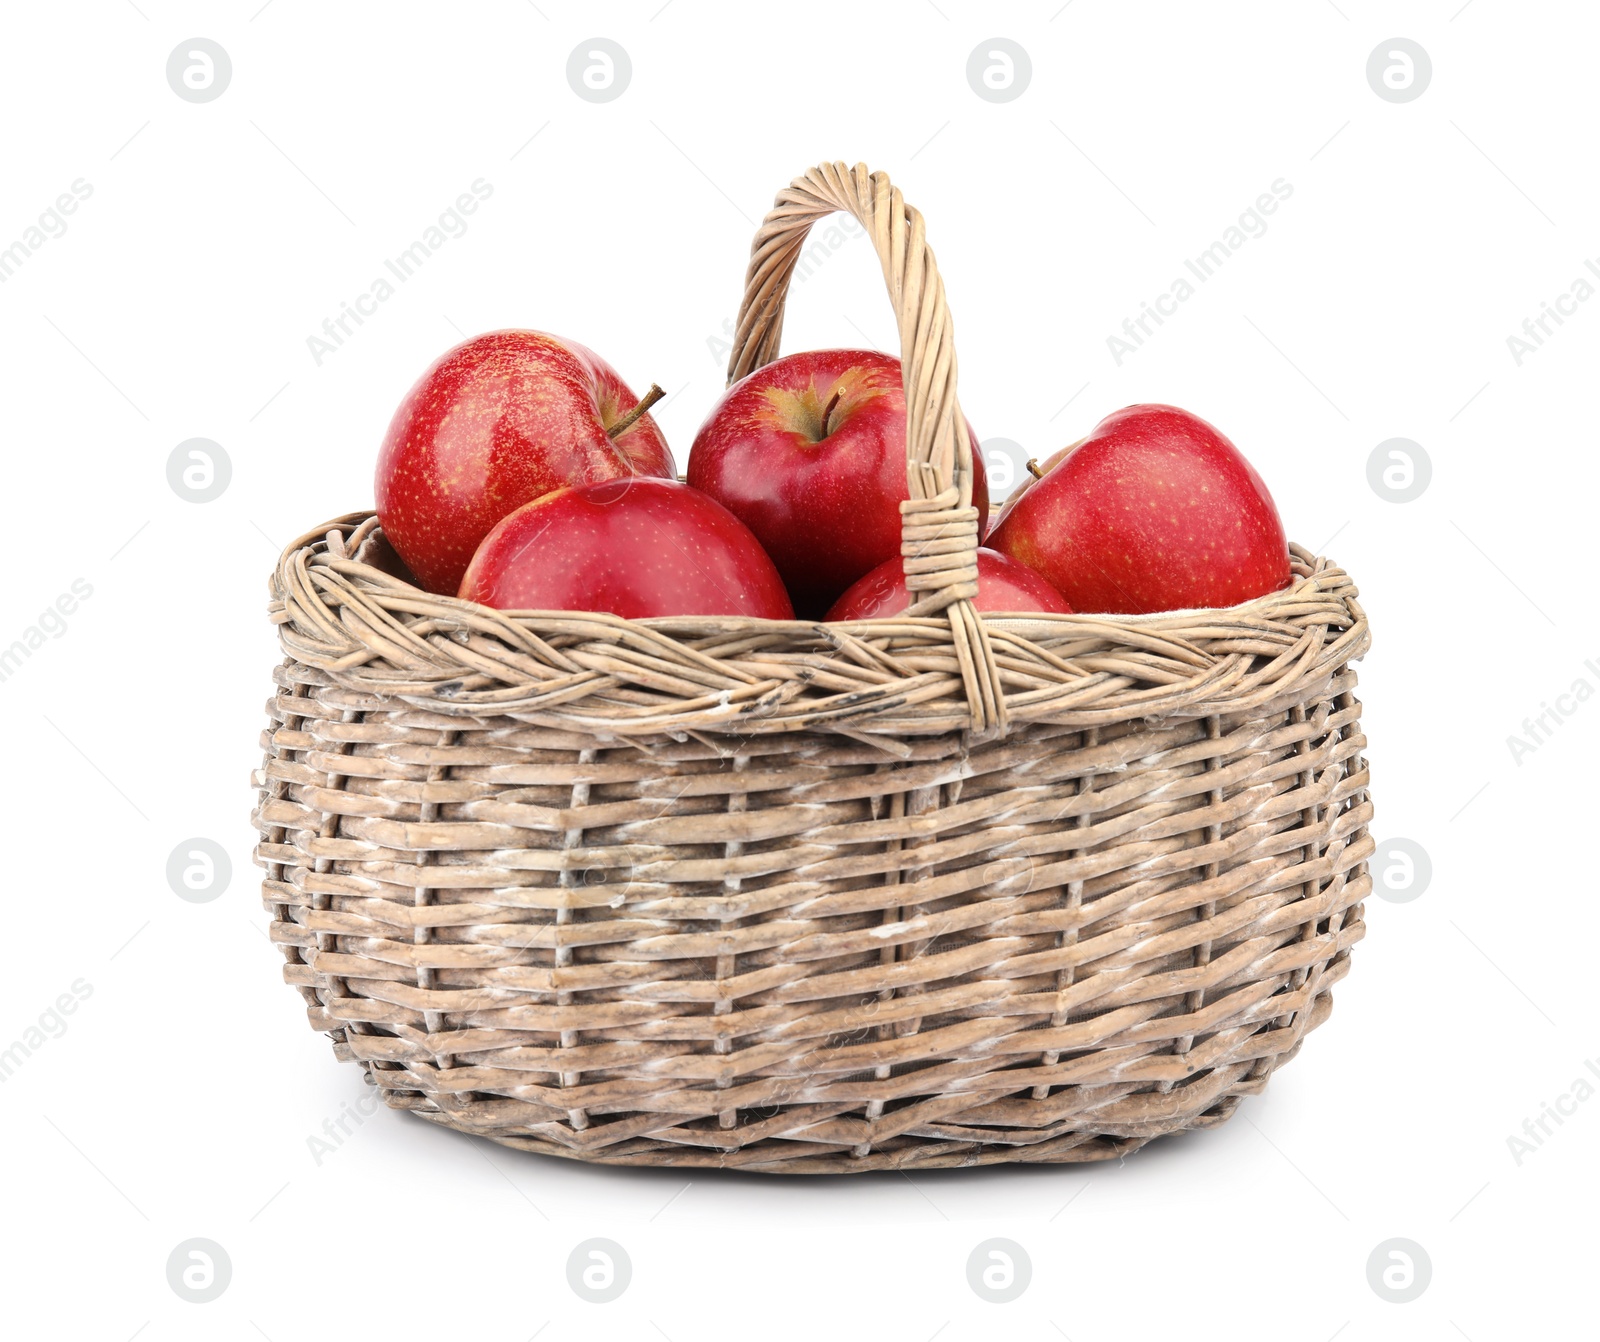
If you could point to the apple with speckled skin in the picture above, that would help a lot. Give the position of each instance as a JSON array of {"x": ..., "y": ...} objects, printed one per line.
[
  {"x": 638, "y": 548},
  {"x": 809, "y": 452},
  {"x": 1155, "y": 510},
  {"x": 496, "y": 422},
  {"x": 1004, "y": 587}
]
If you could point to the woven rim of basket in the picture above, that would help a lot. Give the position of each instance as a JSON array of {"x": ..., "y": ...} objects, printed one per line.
[{"x": 375, "y": 634}]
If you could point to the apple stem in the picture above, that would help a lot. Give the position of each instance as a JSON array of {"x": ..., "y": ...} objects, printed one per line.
[
  {"x": 828, "y": 413},
  {"x": 1033, "y": 468},
  {"x": 627, "y": 421}
]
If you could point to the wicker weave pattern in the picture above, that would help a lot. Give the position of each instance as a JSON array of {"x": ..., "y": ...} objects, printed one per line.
[{"x": 925, "y": 891}]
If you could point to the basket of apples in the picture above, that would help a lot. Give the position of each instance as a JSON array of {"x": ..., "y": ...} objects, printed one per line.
[{"x": 797, "y": 815}]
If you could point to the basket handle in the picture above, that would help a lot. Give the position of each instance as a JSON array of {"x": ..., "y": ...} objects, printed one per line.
[{"x": 938, "y": 523}]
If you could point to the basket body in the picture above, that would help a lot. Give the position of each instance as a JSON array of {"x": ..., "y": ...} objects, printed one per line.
[
  {"x": 934, "y": 889},
  {"x": 809, "y": 949}
]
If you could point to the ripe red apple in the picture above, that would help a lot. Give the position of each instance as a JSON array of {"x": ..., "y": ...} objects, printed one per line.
[
  {"x": 636, "y": 547},
  {"x": 809, "y": 452},
  {"x": 1003, "y": 585},
  {"x": 1154, "y": 510},
  {"x": 497, "y": 421}
]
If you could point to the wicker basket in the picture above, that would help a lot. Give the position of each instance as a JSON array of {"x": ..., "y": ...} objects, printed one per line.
[{"x": 925, "y": 891}]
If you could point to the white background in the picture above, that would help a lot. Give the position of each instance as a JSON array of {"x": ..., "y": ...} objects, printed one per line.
[{"x": 179, "y": 1101}]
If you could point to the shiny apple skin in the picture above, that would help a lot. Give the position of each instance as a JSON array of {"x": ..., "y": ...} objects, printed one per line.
[
  {"x": 638, "y": 548},
  {"x": 1155, "y": 510},
  {"x": 495, "y": 422},
  {"x": 1004, "y": 587},
  {"x": 827, "y": 511}
]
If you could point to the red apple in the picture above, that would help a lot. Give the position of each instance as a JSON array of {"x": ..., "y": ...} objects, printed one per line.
[
  {"x": 1154, "y": 510},
  {"x": 1003, "y": 585},
  {"x": 637, "y": 547},
  {"x": 809, "y": 452},
  {"x": 500, "y": 420}
]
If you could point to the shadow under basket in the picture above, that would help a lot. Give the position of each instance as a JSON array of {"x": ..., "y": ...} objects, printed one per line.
[{"x": 935, "y": 890}]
